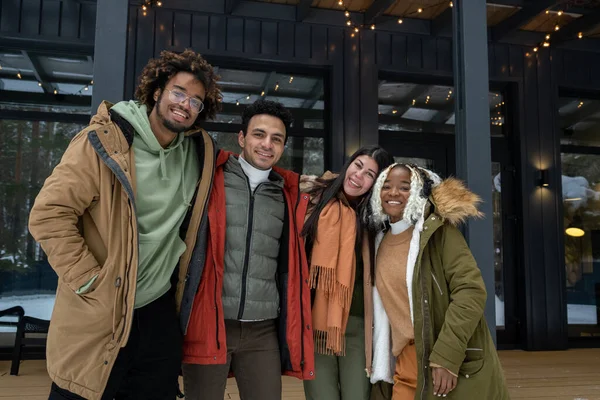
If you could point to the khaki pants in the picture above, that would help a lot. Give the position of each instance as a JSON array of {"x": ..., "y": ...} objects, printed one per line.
[
  {"x": 405, "y": 376},
  {"x": 342, "y": 378},
  {"x": 252, "y": 355}
]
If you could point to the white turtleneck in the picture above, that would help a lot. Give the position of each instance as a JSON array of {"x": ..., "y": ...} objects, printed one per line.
[
  {"x": 398, "y": 227},
  {"x": 255, "y": 176}
]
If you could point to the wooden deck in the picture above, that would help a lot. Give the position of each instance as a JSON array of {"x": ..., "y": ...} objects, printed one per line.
[{"x": 566, "y": 375}]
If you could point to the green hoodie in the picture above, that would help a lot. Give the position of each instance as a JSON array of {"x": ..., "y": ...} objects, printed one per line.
[{"x": 166, "y": 180}]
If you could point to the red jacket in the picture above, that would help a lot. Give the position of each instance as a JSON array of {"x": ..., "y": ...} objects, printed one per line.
[{"x": 205, "y": 341}]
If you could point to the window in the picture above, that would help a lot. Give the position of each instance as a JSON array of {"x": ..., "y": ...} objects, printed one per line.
[
  {"x": 303, "y": 95},
  {"x": 580, "y": 159},
  {"x": 426, "y": 108},
  {"x": 29, "y": 152}
]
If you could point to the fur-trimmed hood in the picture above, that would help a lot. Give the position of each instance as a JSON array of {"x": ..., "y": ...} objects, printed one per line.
[
  {"x": 454, "y": 203},
  {"x": 450, "y": 199}
]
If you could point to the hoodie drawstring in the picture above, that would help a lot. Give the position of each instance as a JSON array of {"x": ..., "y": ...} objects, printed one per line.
[
  {"x": 163, "y": 165},
  {"x": 183, "y": 185}
]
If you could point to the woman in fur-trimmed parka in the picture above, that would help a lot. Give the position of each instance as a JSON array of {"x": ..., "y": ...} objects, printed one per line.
[{"x": 424, "y": 294}]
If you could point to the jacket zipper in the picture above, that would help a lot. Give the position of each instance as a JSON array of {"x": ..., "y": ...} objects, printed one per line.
[
  {"x": 126, "y": 275},
  {"x": 247, "y": 254},
  {"x": 436, "y": 283},
  {"x": 301, "y": 281}
]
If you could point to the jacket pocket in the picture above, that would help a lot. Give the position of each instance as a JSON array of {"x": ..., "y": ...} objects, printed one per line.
[
  {"x": 470, "y": 368},
  {"x": 437, "y": 284}
]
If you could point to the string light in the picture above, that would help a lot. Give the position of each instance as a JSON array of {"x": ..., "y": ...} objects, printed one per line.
[
  {"x": 373, "y": 27},
  {"x": 580, "y": 35},
  {"x": 394, "y": 111},
  {"x": 248, "y": 97},
  {"x": 352, "y": 34},
  {"x": 548, "y": 37},
  {"x": 19, "y": 75},
  {"x": 560, "y": 13},
  {"x": 420, "y": 10},
  {"x": 400, "y": 20},
  {"x": 341, "y": 3},
  {"x": 414, "y": 102},
  {"x": 86, "y": 87},
  {"x": 356, "y": 29},
  {"x": 40, "y": 84},
  {"x": 277, "y": 86},
  {"x": 92, "y": 82},
  {"x": 291, "y": 79},
  {"x": 149, "y": 4},
  {"x": 237, "y": 102},
  {"x": 451, "y": 4},
  {"x": 262, "y": 93},
  {"x": 546, "y": 44},
  {"x": 535, "y": 49},
  {"x": 348, "y": 22},
  {"x": 347, "y": 14},
  {"x": 55, "y": 91}
]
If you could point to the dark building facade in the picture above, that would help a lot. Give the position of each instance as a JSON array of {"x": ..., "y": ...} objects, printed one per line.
[{"x": 394, "y": 85}]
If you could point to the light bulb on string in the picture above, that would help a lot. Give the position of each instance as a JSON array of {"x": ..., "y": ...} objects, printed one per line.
[
  {"x": 248, "y": 97},
  {"x": 262, "y": 93},
  {"x": 373, "y": 27},
  {"x": 560, "y": 13},
  {"x": 557, "y": 28},
  {"x": 86, "y": 87},
  {"x": 347, "y": 14},
  {"x": 535, "y": 49},
  {"x": 277, "y": 86},
  {"x": 400, "y": 20},
  {"x": 159, "y": 4},
  {"x": 19, "y": 75},
  {"x": 546, "y": 44},
  {"x": 40, "y": 84},
  {"x": 420, "y": 10},
  {"x": 356, "y": 29},
  {"x": 237, "y": 102},
  {"x": 580, "y": 35},
  {"x": 55, "y": 91},
  {"x": 291, "y": 79},
  {"x": 548, "y": 37},
  {"x": 451, "y": 4},
  {"x": 348, "y": 22}
]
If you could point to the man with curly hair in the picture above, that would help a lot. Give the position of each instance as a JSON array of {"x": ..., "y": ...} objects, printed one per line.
[
  {"x": 251, "y": 311},
  {"x": 111, "y": 219}
]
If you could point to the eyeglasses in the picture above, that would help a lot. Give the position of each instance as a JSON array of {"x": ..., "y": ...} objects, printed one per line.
[{"x": 177, "y": 96}]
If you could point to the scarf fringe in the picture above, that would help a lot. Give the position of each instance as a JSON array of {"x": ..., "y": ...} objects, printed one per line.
[
  {"x": 325, "y": 342},
  {"x": 322, "y": 278}
]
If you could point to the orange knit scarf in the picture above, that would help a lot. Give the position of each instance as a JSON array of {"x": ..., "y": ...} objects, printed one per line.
[{"x": 332, "y": 272}]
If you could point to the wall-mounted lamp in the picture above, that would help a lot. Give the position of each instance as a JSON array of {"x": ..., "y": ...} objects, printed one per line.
[
  {"x": 542, "y": 178},
  {"x": 575, "y": 228}
]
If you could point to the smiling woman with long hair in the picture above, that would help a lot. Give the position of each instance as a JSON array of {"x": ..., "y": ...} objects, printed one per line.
[
  {"x": 333, "y": 234},
  {"x": 430, "y": 337}
]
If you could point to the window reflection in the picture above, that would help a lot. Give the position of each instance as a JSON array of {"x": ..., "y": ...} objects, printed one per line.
[
  {"x": 427, "y": 108},
  {"x": 581, "y": 213},
  {"x": 30, "y": 151}
]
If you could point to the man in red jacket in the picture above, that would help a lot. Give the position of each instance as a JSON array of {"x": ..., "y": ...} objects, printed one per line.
[{"x": 251, "y": 309}]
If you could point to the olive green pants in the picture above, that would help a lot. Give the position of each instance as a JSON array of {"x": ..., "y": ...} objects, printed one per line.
[{"x": 344, "y": 377}]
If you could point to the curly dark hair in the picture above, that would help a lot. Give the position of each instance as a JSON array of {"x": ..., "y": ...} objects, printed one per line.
[
  {"x": 160, "y": 70},
  {"x": 263, "y": 106}
]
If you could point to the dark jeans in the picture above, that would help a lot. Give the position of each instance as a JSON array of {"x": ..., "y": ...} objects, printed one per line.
[
  {"x": 148, "y": 366},
  {"x": 252, "y": 355}
]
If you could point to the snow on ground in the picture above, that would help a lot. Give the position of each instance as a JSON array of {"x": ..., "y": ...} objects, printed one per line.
[
  {"x": 40, "y": 306},
  {"x": 37, "y": 305}
]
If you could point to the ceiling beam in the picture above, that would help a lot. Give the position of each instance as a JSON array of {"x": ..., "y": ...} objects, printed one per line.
[
  {"x": 303, "y": 9},
  {"x": 376, "y": 9},
  {"x": 582, "y": 24},
  {"x": 527, "y": 13},
  {"x": 267, "y": 82},
  {"x": 75, "y": 81},
  {"x": 11, "y": 96},
  {"x": 442, "y": 23},
  {"x": 230, "y": 6},
  {"x": 588, "y": 109},
  {"x": 38, "y": 71},
  {"x": 314, "y": 96}
]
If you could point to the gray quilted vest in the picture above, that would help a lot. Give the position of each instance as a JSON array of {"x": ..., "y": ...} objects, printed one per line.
[{"x": 252, "y": 235}]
